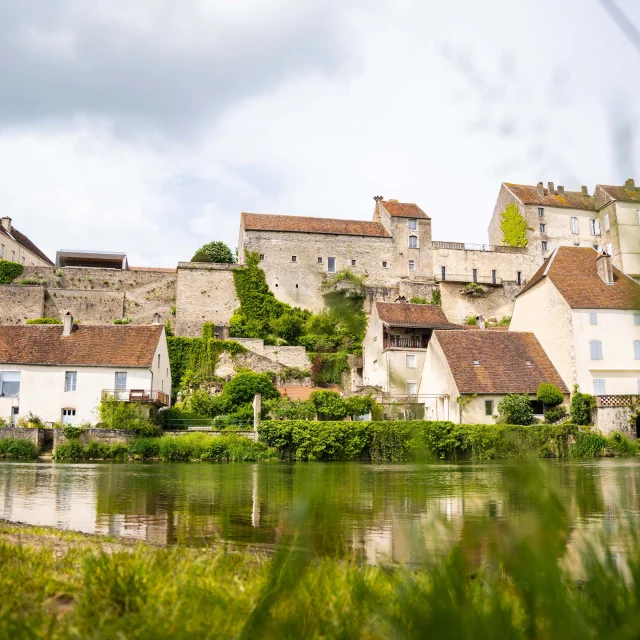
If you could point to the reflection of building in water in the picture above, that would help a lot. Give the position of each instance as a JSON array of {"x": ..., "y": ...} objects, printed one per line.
[{"x": 150, "y": 528}]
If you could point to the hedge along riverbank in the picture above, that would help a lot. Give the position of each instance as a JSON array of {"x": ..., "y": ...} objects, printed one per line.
[
  {"x": 18, "y": 449},
  {"x": 403, "y": 441}
]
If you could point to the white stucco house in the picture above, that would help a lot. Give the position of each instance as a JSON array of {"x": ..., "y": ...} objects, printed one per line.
[
  {"x": 61, "y": 372},
  {"x": 586, "y": 315},
  {"x": 467, "y": 373}
]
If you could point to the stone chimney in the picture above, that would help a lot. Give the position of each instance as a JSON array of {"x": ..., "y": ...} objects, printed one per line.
[
  {"x": 605, "y": 268},
  {"x": 540, "y": 189},
  {"x": 6, "y": 223},
  {"x": 552, "y": 191},
  {"x": 156, "y": 318},
  {"x": 560, "y": 190},
  {"x": 585, "y": 191},
  {"x": 67, "y": 324},
  {"x": 629, "y": 184},
  {"x": 480, "y": 321}
]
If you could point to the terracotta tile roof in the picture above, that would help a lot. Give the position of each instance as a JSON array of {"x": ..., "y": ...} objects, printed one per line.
[
  {"x": 403, "y": 314},
  {"x": 303, "y": 393},
  {"x": 574, "y": 273},
  {"x": 21, "y": 239},
  {"x": 607, "y": 193},
  {"x": 302, "y": 224},
  {"x": 502, "y": 361},
  {"x": 404, "y": 209},
  {"x": 99, "y": 346},
  {"x": 528, "y": 194}
]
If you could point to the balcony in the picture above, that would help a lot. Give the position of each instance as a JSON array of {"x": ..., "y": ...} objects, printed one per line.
[
  {"x": 616, "y": 401},
  {"x": 405, "y": 342},
  {"x": 159, "y": 398},
  {"x": 468, "y": 246},
  {"x": 466, "y": 278}
]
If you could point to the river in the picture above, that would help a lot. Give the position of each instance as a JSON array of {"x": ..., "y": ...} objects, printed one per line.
[{"x": 366, "y": 510}]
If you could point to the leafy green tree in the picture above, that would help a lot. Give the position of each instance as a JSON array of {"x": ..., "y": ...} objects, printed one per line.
[
  {"x": 549, "y": 394},
  {"x": 358, "y": 405},
  {"x": 513, "y": 226},
  {"x": 216, "y": 252},
  {"x": 241, "y": 388},
  {"x": 515, "y": 408},
  {"x": 329, "y": 405},
  {"x": 582, "y": 404}
]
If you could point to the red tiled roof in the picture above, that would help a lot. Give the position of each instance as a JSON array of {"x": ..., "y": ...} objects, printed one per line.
[
  {"x": 528, "y": 194},
  {"x": 303, "y": 224},
  {"x": 404, "y": 209},
  {"x": 303, "y": 393},
  {"x": 502, "y": 361},
  {"x": 574, "y": 272},
  {"x": 403, "y": 314},
  {"x": 99, "y": 346},
  {"x": 607, "y": 193},
  {"x": 22, "y": 240}
]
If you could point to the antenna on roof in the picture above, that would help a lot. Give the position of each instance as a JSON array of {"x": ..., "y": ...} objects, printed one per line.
[{"x": 378, "y": 198}]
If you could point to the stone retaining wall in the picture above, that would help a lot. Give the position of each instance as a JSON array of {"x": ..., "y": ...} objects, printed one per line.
[
  {"x": 610, "y": 419},
  {"x": 33, "y": 435},
  {"x": 106, "y": 436},
  {"x": 19, "y": 303}
]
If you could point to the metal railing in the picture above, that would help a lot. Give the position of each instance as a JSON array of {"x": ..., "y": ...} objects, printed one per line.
[
  {"x": 137, "y": 395},
  {"x": 470, "y": 246},
  {"x": 405, "y": 342},
  {"x": 456, "y": 277}
]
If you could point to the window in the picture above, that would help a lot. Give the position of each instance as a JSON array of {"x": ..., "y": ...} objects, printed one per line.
[
  {"x": 70, "y": 380},
  {"x": 68, "y": 416},
  {"x": 159, "y": 354},
  {"x": 598, "y": 387},
  {"x": 545, "y": 245},
  {"x": 13, "y": 256},
  {"x": 543, "y": 228},
  {"x": 476, "y": 363},
  {"x": 488, "y": 407},
  {"x": 412, "y": 265},
  {"x": 15, "y": 411},
  {"x": 475, "y": 275},
  {"x": 319, "y": 259},
  {"x": 610, "y": 248},
  {"x": 411, "y": 360},
  {"x": 413, "y": 242},
  {"x": 413, "y": 224},
  {"x": 638, "y": 212},
  {"x": 412, "y": 388},
  {"x": 636, "y": 349},
  {"x": 494, "y": 276},
  {"x": 519, "y": 277},
  {"x": 353, "y": 263},
  {"x": 594, "y": 227},
  {"x": 593, "y": 318},
  {"x": 443, "y": 273},
  {"x": 1, "y": 251},
  {"x": 294, "y": 258},
  {"x": 607, "y": 226},
  {"x": 9, "y": 383},
  {"x": 574, "y": 225},
  {"x": 540, "y": 211},
  {"x": 262, "y": 257},
  {"x": 121, "y": 380},
  {"x": 528, "y": 363},
  {"x": 385, "y": 264},
  {"x": 375, "y": 365},
  {"x": 595, "y": 346},
  {"x": 296, "y": 285},
  {"x": 331, "y": 265},
  {"x": 537, "y": 407},
  {"x": 636, "y": 319}
]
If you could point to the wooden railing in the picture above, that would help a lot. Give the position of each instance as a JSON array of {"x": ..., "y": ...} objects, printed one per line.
[
  {"x": 405, "y": 342},
  {"x": 137, "y": 395}
]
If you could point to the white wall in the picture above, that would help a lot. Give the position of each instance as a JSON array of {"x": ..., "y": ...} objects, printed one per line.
[
  {"x": 42, "y": 389},
  {"x": 616, "y": 331},
  {"x": 437, "y": 380},
  {"x": 161, "y": 368}
]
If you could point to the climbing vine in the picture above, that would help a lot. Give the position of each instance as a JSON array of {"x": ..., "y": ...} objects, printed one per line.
[
  {"x": 9, "y": 271},
  {"x": 514, "y": 226}
]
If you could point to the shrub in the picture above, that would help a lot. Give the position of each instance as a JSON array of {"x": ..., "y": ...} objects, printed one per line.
[
  {"x": 243, "y": 387},
  {"x": 549, "y": 394},
  {"x": 436, "y": 297},
  {"x": 582, "y": 404},
  {"x": 70, "y": 450},
  {"x": 72, "y": 433},
  {"x": 418, "y": 300},
  {"x": 9, "y": 271},
  {"x": 122, "y": 321},
  {"x": 358, "y": 405},
  {"x": 515, "y": 409},
  {"x": 115, "y": 414},
  {"x": 588, "y": 445},
  {"x": 620, "y": 445},
  {"x": 328, "y": 404},
  {"x": 214, "y": 252},
  {"x": 471, "y": 320},
  {"x": 201, "y": 256},
  {"x": 552, "y": 416},
  {"x": 144, "y": 448},
  {"x": 287, "y": 409},
  {"x": 17, "y": 448},
  {"x": 44, "y": 321},
  {"x": 474, "y": 289}
]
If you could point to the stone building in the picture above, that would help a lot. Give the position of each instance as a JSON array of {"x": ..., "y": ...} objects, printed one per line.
[{"x": 16, "y": 247}]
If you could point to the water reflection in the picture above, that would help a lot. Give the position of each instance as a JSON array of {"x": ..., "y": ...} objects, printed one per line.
[{"x": 370, "y": 512}]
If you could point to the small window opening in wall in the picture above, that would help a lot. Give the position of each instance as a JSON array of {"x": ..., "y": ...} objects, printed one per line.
[
  {"x": 475, "y": 275},
  {"x": 494, "y": 276},
  {"x": 545, "y": 245},
  {"x": 413, "y": 224},
  {"x": 412, "y": 388},
  {"x": 412, "y": 265},
  {"x": 68, "y": 416},
  {"x": 353, "y": 263},
  {"x": 384, "y": 264},
  {"x": 574, "y": 225},
  {"x": 331, "y": 265},
  {"x": 540, "y": 211},
  {"x": 636, "y": 319},
  {"x": 319, "y": 259},
  {"x": 443, "y": 273},
  {"x": 488, "y": 407},
  {"x": 413, "y": 242},
  {"x": 476, "y": 363},
  {"x": 276, "y": 285},
  {"x": 519, "y": 277},
  {"x": 296, "y": 286},
  {"x": 294, "y": 258},
  {"x": 528, "y": 363},
  {"x": 542, "y": 228},
  {"x": 262, "y": 257},
  {"x": 593, "y": 318},
  {"x": 598, "y": 387}
]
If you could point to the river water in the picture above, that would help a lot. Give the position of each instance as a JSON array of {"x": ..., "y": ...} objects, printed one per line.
[{"x": 371, "y": 511}]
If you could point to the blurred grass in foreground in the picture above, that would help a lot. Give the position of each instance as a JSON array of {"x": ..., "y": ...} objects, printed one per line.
[{"x": 501, "y": 579}]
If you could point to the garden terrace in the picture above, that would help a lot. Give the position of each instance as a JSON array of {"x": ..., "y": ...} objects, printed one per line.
[{"x": 158, "y": 398}]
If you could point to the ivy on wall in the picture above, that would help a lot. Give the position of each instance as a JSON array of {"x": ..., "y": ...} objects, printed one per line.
[
  {"x": 9, "y": 271},
  {"x": 514, "y": 226}
]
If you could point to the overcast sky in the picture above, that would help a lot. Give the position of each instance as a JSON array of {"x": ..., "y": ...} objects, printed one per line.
[{"x": 148, "y": 126}]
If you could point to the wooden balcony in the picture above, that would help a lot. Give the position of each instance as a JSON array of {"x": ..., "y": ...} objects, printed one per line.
[
  {"x": 159, "y": 398},
  {"x": 405, "y": 342}
]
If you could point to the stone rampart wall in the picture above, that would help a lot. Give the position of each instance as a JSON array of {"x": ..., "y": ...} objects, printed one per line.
[
  {"x": 19, "y": 303},
  {"x": 32, "y": 435},
  {"x": 497, "y": 302},
  {"x": 610, "y": 419}
]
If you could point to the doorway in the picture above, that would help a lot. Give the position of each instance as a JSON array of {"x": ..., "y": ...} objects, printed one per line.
[{"x": 638, "y": 426}]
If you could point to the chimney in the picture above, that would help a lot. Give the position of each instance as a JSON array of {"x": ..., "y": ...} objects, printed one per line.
[
  {"x": 540, "y": 189},
  {"x": 156, "y": 318},
  {"x": 605, "y": 269},
  {"x": 67, "y": 324},
  {"x": 585, "y": 191},
  {"x": 552, "y": 191},
  {"x": 6, "y": 223},
  {"x": 629, "y": 184},
  {"x": 560, "y": 190},
  {"x": 480, "y": 321}
]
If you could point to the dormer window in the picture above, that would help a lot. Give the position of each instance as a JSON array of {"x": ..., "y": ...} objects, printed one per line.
[
  {"x": 528, "y": 363},
  {"x": 413, "y": 224},
  {"x": 476, "y": 363}
]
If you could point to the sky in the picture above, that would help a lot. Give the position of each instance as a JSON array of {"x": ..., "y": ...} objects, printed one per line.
[{"x": 148, "y": 126}]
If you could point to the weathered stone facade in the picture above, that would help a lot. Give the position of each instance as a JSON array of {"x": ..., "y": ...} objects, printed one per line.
[
  {"x": 36, "y": 436},
  {"x": 106, "y": 436},
  {"x": 610, "y": 419},
  {"x": 19, "y": 303}
]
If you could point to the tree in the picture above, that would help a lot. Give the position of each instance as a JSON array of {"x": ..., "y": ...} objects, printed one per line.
[
  {"x": 549, "y": 395},
  {"x": 329, "y": 405},
  {"x": 582, "y": 405},
  {"x": 215, "y": 252},
  {"x": 244, "y": 386},
  {"x": 514, "y": 226},
  {"x": 515, "y": 409}
]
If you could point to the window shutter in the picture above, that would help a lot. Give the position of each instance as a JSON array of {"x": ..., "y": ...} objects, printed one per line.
[{"x": 636, "y": 349}]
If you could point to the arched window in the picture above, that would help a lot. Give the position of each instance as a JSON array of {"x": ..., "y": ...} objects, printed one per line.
[{"x": 413, "y": 242}]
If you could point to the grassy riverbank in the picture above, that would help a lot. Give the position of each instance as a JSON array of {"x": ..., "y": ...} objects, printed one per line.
[{"x": 501, "y": 578}]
